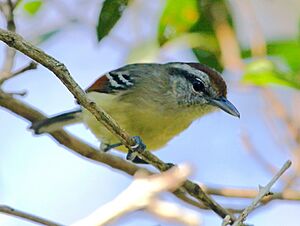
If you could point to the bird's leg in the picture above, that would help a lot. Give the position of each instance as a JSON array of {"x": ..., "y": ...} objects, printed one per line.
[
  {"x": 107, "y": 147},
  {"x": 137, "y": 148},
  {"x": 131, "y": 155}
]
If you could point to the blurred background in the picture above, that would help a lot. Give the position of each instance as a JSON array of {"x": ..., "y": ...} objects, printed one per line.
[{"x": 255, "y": 43}]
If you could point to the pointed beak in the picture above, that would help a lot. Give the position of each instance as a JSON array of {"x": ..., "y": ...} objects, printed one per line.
[{"x": 225, "y": 105}]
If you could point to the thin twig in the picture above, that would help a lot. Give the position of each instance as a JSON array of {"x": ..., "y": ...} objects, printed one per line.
[
  {"x": 60, "y": 70},
  {"x": 290, "y": 195},
  {"x": 8, "y": 11},
  {"x": 263, "y": 191},
  {"x": 18, "y": 93},
  {"x": 26, "y": 216},
  {"x": 32, "y": 65}
]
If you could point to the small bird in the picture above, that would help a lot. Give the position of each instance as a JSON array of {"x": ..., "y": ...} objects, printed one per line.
[{"x": 154, "y": 101}]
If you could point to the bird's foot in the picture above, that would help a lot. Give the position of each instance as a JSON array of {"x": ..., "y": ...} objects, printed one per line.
[
  {"x": 133, "y": 157},
  {"x": 139, "y": 147}
]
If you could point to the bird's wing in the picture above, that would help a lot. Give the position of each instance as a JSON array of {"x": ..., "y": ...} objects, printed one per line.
[{"x": 112, "y": 82}]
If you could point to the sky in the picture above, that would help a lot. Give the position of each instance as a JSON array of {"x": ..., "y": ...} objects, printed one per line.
[{"x": 41, "y": 177}]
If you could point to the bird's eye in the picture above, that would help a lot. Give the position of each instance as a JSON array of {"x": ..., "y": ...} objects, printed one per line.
[{"x": 198, "y": 86}]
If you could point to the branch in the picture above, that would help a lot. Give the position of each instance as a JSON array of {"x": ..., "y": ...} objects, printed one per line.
[
  {"x": 32, "y": 65},
  {"x": 290, "y": 195},
  {"x": 27, "y": 216},
  {"x": 78, "y": 147},
  {"x": 143, "y": 194},
  {"x": 263, "y": 191},
  {"x": 8, "y": 11},
  {"x": 70, "y": 142},
  {"x": 59, "y": 69}
]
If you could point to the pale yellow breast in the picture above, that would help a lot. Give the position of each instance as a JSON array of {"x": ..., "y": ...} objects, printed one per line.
[{"x": 155, "y": 127}]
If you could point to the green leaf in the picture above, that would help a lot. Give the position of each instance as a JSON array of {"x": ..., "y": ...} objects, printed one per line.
[
  {"x": 288, "y": 50},
  {"x": 32, "y": 7},
  {"x": 177, "y": 18},
  {"x": 109, "y": 15},
  {"x": 209, "y": 58},
  {"x": 282, "y": 68},
  {"x": 46, "y": 36},
  {"x": 263, "y": 72}
]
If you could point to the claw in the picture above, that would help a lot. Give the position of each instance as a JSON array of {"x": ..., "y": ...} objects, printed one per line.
[
  {"x": 139, "y": 145},
  {"x": 132, "y": 156}
]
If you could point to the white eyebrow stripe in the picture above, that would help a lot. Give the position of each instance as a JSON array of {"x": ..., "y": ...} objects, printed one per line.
[
  {"x": 187, "y": 68},
  {"x": 128, "y": 83},
  {"x": 112, "y": 81},
  {"x": 205, "y": 78}
]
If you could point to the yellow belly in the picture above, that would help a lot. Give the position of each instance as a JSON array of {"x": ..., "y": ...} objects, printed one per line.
[{"x": 154, "y": 127}]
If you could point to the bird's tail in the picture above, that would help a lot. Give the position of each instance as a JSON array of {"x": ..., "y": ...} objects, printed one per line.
[{"x": 57, "y": 122}]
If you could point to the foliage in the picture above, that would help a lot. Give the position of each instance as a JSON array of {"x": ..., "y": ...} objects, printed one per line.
[
  {"x": 32, "y": 7},
  {"x": 194, "y": 22},
  {"x": 282, "y": 67},
  {"x": 265, "y": 71},
  {"x": 177, "y": 18},
  {"x": 110, "y": 13}
]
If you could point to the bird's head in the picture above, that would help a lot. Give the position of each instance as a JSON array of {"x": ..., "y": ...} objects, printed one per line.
[{"x": 199, "y": 87}]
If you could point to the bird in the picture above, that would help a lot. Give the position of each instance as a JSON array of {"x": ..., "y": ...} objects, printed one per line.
[{"x": 154, "y": 101}]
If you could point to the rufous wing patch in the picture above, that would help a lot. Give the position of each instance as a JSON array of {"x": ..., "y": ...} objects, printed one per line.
[{"x": 101, "y": 85}]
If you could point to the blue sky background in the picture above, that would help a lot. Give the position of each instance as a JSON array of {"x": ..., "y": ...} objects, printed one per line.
[{"x": 40, "y": 177}]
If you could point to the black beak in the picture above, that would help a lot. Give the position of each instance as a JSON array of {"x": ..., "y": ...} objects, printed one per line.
[{"x": 225, "y": 105}]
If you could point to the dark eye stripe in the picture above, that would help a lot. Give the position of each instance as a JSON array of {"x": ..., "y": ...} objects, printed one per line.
[{"x": 190, "y": 77}]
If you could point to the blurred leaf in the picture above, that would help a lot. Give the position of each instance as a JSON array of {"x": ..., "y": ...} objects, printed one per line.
[
  {"x": 19, "y": 3},
  {"x": 197, "y": 40},
  {"x": 46, "y": 36},
  {"x": 284, "y": 69},
  {"x": 264, "y": 71},
  {"x": 177, "y": 18},
  {"x": 288, "y": 50},
  {"x": 32, "y": 7},
  {"x": 109, "y": 15},
  {"x": 209, "y": 58}
]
